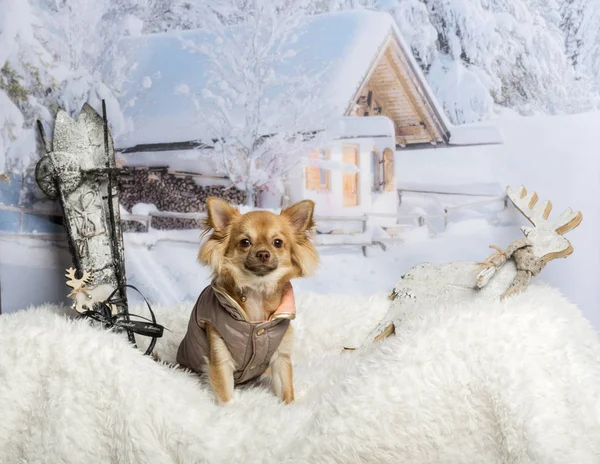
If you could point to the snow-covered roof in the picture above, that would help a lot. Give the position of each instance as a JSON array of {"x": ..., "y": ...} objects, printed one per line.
[
  {"x": 345, "y": 42},
  {"x": 354, "y": 127},
  {"x": 156, "y": 110},
  {"x": 475, "y": 134}
]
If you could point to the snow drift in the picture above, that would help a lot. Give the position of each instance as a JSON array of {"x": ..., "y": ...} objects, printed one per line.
[{"x": 514, "y": 381}]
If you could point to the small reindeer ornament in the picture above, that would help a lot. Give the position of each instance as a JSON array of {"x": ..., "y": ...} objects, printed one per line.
[
  {"x": 504, "y": 273},
  {"x": 84, "y": 296}
]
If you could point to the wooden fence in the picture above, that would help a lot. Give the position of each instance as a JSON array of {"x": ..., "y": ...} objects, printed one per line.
[{"x": 352, "y": 239}]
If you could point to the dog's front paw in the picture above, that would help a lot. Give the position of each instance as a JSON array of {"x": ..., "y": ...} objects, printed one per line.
[
  {"x": 288, "y": 397},
  {"x": 229, "y": 402}
]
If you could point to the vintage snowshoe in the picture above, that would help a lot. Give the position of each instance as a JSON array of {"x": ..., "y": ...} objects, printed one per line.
[{"x": 79, "y": 170}]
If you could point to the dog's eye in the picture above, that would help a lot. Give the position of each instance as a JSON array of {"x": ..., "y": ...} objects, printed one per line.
[
  {"x": 245, "y": 243},
  {"x": 278, "y": 243}
]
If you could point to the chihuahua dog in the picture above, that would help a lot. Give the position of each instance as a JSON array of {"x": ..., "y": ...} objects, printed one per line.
[{"x": 240, "y": 326}]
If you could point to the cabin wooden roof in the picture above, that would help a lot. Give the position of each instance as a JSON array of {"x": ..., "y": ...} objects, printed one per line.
[{"x": 392, "y": 88}]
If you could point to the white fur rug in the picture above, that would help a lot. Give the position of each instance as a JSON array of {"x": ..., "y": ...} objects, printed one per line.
[{"x": 512, "y": 382}]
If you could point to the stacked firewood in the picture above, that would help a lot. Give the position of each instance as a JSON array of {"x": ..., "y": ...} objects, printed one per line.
[{"x": 170, "y": 192}]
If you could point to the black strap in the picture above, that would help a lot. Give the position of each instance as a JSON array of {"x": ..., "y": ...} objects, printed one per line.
[
  {"x": 101, "y": 311},
  {"x": 117, "y": 259},
  {"x": 103, "y": 314}
]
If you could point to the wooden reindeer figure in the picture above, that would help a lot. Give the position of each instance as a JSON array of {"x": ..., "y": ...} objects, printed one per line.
[
  {"x": 83, "y": 296},
  {"x": 504, "y": 273},
  {"x": 543, "y": 242}
]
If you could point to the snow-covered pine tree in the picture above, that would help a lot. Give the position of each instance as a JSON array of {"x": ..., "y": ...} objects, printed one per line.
[
  {"x": 26, "y": 83},
  {"x": 508, "y": 52},
  {"x": 53, "y": 54},
  {"x": 84, "y": 43},
  {"x": 323, "y": 6},
  {"x": 571, "y": 19},
  {"x": 581, "y": 26},
  {"x": 172, "y": 15}
]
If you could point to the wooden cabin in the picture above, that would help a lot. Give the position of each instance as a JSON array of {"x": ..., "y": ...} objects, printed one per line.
[
  {"x": 365, "y": 184},
  {"x": 371, "y": 79}
]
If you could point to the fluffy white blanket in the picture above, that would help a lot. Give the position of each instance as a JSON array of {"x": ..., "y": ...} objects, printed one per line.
[{"x": 511, "y": 382}]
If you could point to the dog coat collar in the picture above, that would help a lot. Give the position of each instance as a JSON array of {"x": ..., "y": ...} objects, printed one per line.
[
  {"x": 287, "y": 307},
  {"x": 285, "y": 310}
]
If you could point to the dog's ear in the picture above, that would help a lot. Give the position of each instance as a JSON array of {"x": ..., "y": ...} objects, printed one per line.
[
  {"x": 300, "y": 215},
  {"x": 219, "y": 217},
  {"x": 304, "y": 256},
  {"x": 220, "y": 214}
]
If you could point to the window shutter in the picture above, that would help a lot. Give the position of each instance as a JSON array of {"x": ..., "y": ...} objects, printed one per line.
[
  {"x": 312, "y": 178},
  {"x": 388, "y": 170},
  {"x": 350, "y": 179},
  {"x": 375, "y": 171},
  {"x": 313, "y": 173}
]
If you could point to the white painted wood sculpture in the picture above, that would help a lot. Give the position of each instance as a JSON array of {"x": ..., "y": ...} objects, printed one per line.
[{"x": 504, "y": 273}]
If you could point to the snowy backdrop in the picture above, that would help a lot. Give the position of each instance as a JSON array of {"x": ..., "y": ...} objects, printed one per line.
[
  {"x": 529, "y": 55},
  {"x": 497, "y": 60}
]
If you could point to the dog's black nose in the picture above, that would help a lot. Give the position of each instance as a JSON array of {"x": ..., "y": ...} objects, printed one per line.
[{"x": 263, "y": 256}]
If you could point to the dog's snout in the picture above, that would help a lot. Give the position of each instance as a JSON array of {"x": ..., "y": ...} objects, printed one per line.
[{"x": 263, "y": 256}]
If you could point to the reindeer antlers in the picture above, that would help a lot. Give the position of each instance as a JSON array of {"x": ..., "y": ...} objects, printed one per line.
[
  {"x": 546, "y": 236},
  {"x": 526, "y": 204},
  {"x": 538, "y": 214},
  {"x": 77, "y": 284}
]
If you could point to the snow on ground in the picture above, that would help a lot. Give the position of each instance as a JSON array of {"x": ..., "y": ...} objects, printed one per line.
[
  {"x": 168, "y": 271},
  {"x": 32, "y": 272},
  {"x": 556, "y": 156},
  {"x": 559, "y": 157}
]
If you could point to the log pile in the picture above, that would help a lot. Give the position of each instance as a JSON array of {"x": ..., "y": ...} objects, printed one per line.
[{"x": 170, "y": 192}]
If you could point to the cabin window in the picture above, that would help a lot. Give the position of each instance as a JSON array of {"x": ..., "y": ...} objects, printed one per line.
[
  {"x": 317, "y": 177},
  {"x": 388, "y": 170},
  {"x": 375, "y": 171}
]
